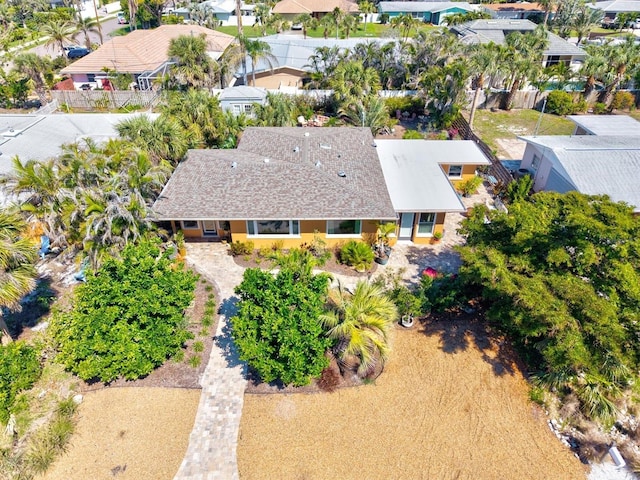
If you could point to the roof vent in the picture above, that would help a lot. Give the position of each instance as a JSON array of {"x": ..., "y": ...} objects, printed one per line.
[
  {"x": 318, "y": 164},
  {"x": 325, "y": 146},
  {"x": 234, "y": 165},
  {"x": 296, "y": 149},
  {"x": 342, "y": 174},
  {"x": 374, "y": 144},
  {"x": 266, "y": 160},
  {"x": 306, "y": 134}
]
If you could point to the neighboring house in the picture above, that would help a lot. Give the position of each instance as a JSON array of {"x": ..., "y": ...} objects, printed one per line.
[
  {"x": 241, "y": 99},
  {"x": 290, "y": 184},
  {"x": 292, "y": 53},
  {"x": 605, "y": 125},
  {"x": 39, "y": 137},
  {"x": 290, "y": 9},
  {"x": 486, "y": 31},
  {"x": 612, "y": 8},
  {"x": 515, "y": 11},
  {"x": 141, "y": 53},
  {"x": 429, "y": 12},
  {"x": 222, "y": 10},
  {"x": 590, "y": 164}
]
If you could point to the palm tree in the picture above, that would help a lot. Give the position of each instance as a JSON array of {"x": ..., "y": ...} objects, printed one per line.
[
  {"x": 360, "y": 323},
  {"x": 262, "y": 13},
  {"x": 548, "y": 6},
  {"x": 228, "y": 63},
  {"x": 349, "y": 23},
  {"x": 351, "y": 81},
  {"x": 259, "y": 50},
  {"x": 404, "y": 23},
  {"x": 620, "y": 57},
  {"x": 277, "y": 112},
  {"x": 371, "y": 112},
  {"x": 367, "y": 8},
  {"x": 17, "y": 272},
  {"x": 133, "y": 11},
  {"x": 327, "y": 23},
  {"x": 87, "y": 26},
  {"x": 36, "y": 68},
  {"x": 194, "y": 67},
  {"x": 322, "y": 64},
  {"x": 484, "y": 59},
  {"x": 585, "y": 20},
  {"x": 58, "y": 32},
  {"x": 594, "y": 67},
  {"x": 163, "y": 137},
  {"x": 307, "y": 22},
  {"x": 278, "y": 23},
  {"x": 337, "y": 16}
]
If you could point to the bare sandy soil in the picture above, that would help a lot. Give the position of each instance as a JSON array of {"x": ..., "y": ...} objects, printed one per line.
[
  {"x": 451, "y": 404},
  {"x": 129, "y": 433}
]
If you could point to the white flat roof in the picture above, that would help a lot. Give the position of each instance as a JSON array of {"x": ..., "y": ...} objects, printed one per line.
[
  {"x": 607, "y": 124},
  {"x": 415, "y": 180}
]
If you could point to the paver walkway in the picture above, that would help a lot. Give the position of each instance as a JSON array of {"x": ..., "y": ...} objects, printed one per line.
[{"x": 211, "y": 453}]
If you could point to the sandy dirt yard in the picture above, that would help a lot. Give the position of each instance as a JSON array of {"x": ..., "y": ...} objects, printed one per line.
[
  {"x": 450, "y": 405},
  {"x": 129, "y": 433}
]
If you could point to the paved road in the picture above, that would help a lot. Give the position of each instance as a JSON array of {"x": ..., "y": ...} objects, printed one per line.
[{"x": 108, "y": 26}]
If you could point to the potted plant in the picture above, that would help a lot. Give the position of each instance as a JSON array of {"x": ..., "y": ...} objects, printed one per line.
[
  {"x": 470, "y": 186},
  {"x": 437, "y": 236},
  {"x": 382, "y": 249}
]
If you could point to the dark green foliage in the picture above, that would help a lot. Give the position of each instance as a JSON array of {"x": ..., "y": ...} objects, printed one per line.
[
  {"x": 443, "y": 293},
  {"x": 412, "y": 135},
  {"x": 19, "y": 370},
  {"x": 241, "y": 248},
  {"x": 128, "y": 317},
  {"x": 623, "y": 101},
  {"x": 519, "y": 190},
  {"x": 277, "y": 329},
  {"x": 407, "y": 302},
  {"x": 561, "y": 275},
  {"x": 412, "y": 105},
  {"x": 561, "y": 103},
  {"x": 357, "y": 255}
]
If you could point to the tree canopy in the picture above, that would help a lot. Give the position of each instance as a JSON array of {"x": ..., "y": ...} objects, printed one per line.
[{"x": 561, "y": 274}]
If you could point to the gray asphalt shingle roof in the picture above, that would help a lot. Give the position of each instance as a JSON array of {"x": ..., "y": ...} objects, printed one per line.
[
  {"x": 596, "y": 165},
  {"x": 280, "y": 173}
]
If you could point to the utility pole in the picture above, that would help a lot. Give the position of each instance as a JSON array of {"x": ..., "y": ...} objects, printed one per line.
[{"x": 544, "y": 104}]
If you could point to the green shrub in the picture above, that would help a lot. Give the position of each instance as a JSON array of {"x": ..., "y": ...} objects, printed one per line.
[
  {"x": 470, "y": 186},
  {"x": 128, "y": 318},
  {"x": 242, "y": 248},
  {"x": 623, "y": 101},
  {"x": 560, "y": 103},
  {"x": 276, "y": 329},
  {"x": 357, "y": 255},
  {"x": 407, "y": 302},
  {"x": 404, "y": 104},
  {"x": 198, "y": 346},
  {"x": 195, "y": 361},
  {"x": 412, "y": 135},
  {"x": 19, "y": 370},
  {"x": 600, "y": 108}
]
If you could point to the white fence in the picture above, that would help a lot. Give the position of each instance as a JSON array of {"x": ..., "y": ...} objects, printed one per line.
[{"x": 104, "y": 99}]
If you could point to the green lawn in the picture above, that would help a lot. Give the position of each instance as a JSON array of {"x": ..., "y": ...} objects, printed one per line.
[{"x": 490, "y": 125}]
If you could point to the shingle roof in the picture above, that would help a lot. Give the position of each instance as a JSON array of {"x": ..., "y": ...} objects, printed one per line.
[
  {"x": 143, "y": 50},
  {"x": 422, "y": 6},
  {"x": 515, "y": 7},
  {"x": 596, "y": 165},
  {"x": 617, "y": 6},
  {"x": 494, "y": 30},
  {"x": 301, "y": 178},
  {"x": 607, "y": 124},
  {"x": 293, "y": 7}
]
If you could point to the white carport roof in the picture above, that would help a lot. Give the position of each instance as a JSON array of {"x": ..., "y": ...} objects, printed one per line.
[{"x": 415, "y": 180}]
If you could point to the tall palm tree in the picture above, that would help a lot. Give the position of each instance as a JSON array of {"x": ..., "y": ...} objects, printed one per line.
[
  {"x": 405, "y": 23},
  {"x": 351, "y": 81},
  {"x": 327, "y": 23},
  {"x": 350, "y": 23},
  {"x": 87, "y": 26},
  {"x": 361, "y": 323},
  {"x": 228, "y": 63},
  {"x": 163, "y": 137},
  {"x": 258, "y": 50},
  {"x": 585, "y": 20},
  {"x": 620, "y": 58},
  {"x": 133, "y": 12},
  {"x": 262, "y": 12},
  {"x": 58, "y": 32},
  {"x": 548, "y": 6},
  {"x": 17, "y": 272},
  {"x": 307, "y": 22},
  {"x": 37, "y": 69},
  {"x": 337, "y": 16},
  {"x": 366, "y": 8},
  {"x": 277, "y": 112},
  {"x": 593, "y": 68},
  {"x": 483, "y": 61},
  {"x": 371, "y": 112},
  {"x": 194, "y": 67}
]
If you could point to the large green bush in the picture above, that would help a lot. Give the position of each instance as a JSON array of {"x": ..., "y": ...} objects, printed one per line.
[
  {"x": 561, "y": 103},
  {"x": 356, "y": 254},
  {"x": 19, "y": 370},
  {"x": 277, "y": 329},
  {"x": 128, "y": 317}
]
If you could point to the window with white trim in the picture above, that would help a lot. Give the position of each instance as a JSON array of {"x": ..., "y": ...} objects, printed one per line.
[
  {"x": 426, "y": 222},
  {"x": 273, "y": 227},
  {"x": 344, "y": 227},
  {"x": 236, "y": 109},
  {"x": 248, "y": 109},
  {"x": 455, "y": 171},
  {"x": 190, "y": 224}
]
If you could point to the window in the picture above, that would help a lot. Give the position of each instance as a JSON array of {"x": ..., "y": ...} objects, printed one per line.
[
  {"x": 248, "y": 109},
  {"x": 190, "y": 224},
  {"x": 236, "y": 109},
  {"x": 535, "y": 163},
  {"x": 455, "y": 171},
  {"x": 91, "y": 77},
  {"x": 425, "y": 223},
  {"x": 273, "y": 227},
  {"x": 344, "y": 227}
]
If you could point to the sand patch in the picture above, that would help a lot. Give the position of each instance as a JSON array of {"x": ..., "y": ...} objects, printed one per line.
[
  {"x": 129, "y": 433},
  {"x": 450, "y": 405}
]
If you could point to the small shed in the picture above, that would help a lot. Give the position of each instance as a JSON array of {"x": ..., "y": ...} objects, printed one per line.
[{"x": 241, "y": 99}]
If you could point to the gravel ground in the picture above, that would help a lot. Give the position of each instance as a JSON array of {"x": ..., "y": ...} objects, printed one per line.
[
  {"x": 129, "y": 433},
  {"x": 451, "y": 404}
]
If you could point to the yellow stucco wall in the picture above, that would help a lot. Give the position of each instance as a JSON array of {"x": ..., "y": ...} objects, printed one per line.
[
  {"x": 282, "y": 76},
  {"x": 468, "y": 171},
  {"x": 438, "y": 227}
]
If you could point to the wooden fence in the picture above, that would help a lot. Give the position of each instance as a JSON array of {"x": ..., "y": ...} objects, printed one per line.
[{"x": 104, "y": 99}]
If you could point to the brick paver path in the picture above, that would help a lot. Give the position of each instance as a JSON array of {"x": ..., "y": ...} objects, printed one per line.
[{"x": 211, "y": 453}]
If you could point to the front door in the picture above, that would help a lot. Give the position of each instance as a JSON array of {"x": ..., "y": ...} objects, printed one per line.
[
  {"x": 406, "y": 226},
  {"x": 210, "y": 228}
]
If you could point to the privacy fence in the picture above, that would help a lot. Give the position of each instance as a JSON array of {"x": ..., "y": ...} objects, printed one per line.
[{"x": 104, "y": 99}]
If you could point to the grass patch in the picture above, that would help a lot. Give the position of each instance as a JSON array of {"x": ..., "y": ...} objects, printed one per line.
[
  {"x": 195, "y": 361},
  {"x": 490, "y": 126},
  {"x": 198, "y": 346},
  {"x": 373, "y": 30}
]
